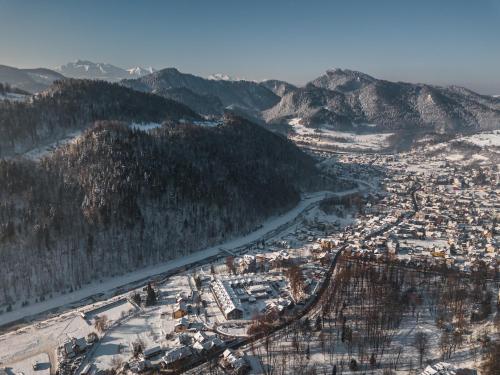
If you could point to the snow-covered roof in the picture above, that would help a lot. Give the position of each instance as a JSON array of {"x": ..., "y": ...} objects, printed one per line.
[
  {"x": 226, "y": 296},
  {"x": 441, "y": 368},
  {"x": 176, "y": 354}
]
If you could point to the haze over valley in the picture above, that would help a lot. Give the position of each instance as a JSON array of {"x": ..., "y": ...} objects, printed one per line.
[{"x": 166, "y": 210}]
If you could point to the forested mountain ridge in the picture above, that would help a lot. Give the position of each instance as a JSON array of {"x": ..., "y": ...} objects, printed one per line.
[
  {"x": 342, "y": 98},
  {"x": 119, "y": 199},
  {"x": 73, "y": 104},
  {"x": 249, "y": 96},
  {"x": 339, "y": 98}
]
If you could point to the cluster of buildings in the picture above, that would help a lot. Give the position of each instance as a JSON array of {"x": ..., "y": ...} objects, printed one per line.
[
  {"x": 192, "y": 347},
  {"x": 436, "y": 213},
  {"x": 72, "y": 353},
  {"x": 242, "y": 295}
]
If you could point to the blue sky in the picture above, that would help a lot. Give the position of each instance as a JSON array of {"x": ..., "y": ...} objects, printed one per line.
[{"x": 439, "y": 41}]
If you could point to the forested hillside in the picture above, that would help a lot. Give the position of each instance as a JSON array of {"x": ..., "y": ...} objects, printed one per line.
[
  {"x": 213, "y": 95},
  {"x": 119, "y": 199},
  {"x": 341, "y": 98},
  {"x": 73, "y": 104}
]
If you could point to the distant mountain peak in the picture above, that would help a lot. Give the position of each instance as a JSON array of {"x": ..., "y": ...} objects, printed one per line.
[
  {"x": 170, "y": 69},
  {"x": 348, "y": 73},
  {"x": 343, "y": 80},
  {"x": 343, "y": 97},
  {"x": 222, "y": 77},
  {"x": 86, "y": 69},
  {"x": 31, "y": 80},
  {"x": 209, "y": 96},
  {"x": 139, "y": 71}
]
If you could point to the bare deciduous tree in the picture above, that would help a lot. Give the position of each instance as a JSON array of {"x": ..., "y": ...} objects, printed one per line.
[{"x": 420, "y": 342}]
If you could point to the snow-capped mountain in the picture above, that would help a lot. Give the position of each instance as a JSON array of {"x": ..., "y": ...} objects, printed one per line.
[
  {"x": 222, "y": 77},
  {"x": 31, "y": 80},
  {"x": 139, "y": 71},
  {"x": 343, "y": 97},
  {"x": 208, "y": 96},
  {"x": 108, "y": 72}
]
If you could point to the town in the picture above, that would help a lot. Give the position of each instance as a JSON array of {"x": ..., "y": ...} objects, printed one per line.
[{"x": 430, "y": 215}]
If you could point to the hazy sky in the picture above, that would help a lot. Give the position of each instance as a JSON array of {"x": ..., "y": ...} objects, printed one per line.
[{"x": 434, "y": 41}]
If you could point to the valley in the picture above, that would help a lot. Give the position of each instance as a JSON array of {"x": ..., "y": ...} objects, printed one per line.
[
  {"x": 161, "y": 222},
  {"x": 365, "y": 231}
]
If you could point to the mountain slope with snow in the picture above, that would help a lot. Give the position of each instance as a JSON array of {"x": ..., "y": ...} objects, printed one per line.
[
  {"x": 31, "y": 80},
  {"x": 119, "y": 199},
  {"x": 249, "y": 97},
  {"x": 221, "y": 77},
  {"x": 345, "y": 97},
  {"x": 84, "y": 69},
  {"x": 71, "y": 105}
]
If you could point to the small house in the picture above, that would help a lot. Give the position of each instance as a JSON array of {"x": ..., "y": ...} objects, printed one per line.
[
  {"x": 180, "y": 310},
  {"x": 181, "y": 325},
  {"x": 152, "y": 352},
  {"x": 177, "y": 357}
]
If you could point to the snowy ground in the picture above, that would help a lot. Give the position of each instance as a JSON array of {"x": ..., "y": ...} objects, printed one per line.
[
  {"x": 485, "y": 139},
  {"x": 401, "y": 350},
  {"x": 26, "y": 366},
  {"x": 43, "y": 337},
  {"x": 145, "y": 127},
  {"x": 318, "y": 215},
  {"x": 454, "y": 150},
  {"x": 113, "y": 311},
  {"x": 208, "y": 124},
  {"x": 39, "y": 152},
  {"x": 326, "y": 136},
  {"x": 426, "y": 244},
  {"x": 14, "y": 97}
]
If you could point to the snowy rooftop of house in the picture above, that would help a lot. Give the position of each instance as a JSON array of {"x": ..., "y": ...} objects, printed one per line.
[
  {"x": 226, "y": 296},
  {"x": 176, "y": 354},
  {"x": 441, "y": 368}
]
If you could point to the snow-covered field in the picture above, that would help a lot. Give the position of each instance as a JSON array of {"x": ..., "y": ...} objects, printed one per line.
[
  {"x": 42, "y": 337},
  {"x": 39, "y": 152},
  {"x": 326, "y": 136},
  {"x": 318, "y": 215},
  {"x": 208, "y": 124},
  {"x": 113, "y": 311},
  {"x": 26, "y": 366},
  {"x": 14, "y": 97},
  {"x": 485, "y": 139},
  {"x": 145, "y": 127},
  {"x": 455, "y": 151}
]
